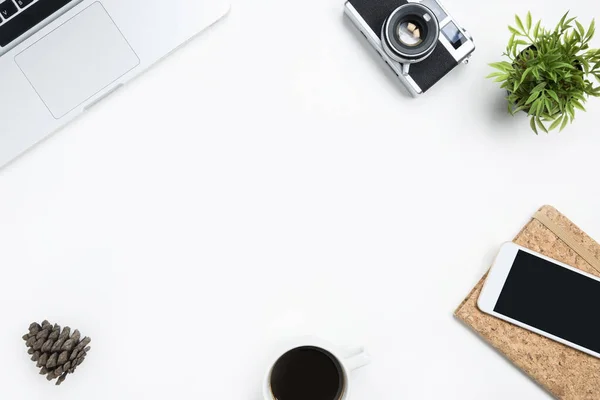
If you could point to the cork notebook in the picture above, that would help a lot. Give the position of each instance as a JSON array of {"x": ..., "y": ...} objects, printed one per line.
[{"x": 564, "y": 372}]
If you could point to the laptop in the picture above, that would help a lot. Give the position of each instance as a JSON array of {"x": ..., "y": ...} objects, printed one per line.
[{"x": 58, "y": 58}]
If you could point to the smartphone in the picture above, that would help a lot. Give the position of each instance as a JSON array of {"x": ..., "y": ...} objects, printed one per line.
[{"x": 545, "y": 296}]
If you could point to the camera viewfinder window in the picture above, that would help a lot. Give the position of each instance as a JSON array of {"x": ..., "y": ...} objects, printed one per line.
[
  {"x": 435, "y": 7},
  {"x": 454, "y": 36}
]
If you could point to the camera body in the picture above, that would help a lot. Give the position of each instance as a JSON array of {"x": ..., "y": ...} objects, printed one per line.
[{"x": 418, "y": 39}]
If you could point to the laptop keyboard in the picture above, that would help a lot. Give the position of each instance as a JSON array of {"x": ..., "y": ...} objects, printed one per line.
[{"x": 21, "y": 18}]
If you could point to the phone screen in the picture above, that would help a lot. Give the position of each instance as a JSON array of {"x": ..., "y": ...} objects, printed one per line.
[{"x": 553, "y": 299}]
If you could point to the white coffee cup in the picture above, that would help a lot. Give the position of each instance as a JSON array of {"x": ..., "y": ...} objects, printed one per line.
[{"x": 348, "y": 359}]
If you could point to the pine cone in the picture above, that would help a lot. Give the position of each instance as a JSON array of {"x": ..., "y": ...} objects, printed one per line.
[{"x": 56, "y": 351}]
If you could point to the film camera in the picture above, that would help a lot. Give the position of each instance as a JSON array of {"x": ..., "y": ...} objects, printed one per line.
[{"x": 419, "y": 40}]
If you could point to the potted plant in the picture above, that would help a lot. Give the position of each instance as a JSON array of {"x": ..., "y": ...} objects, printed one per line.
[{"x": 548, "y": 72}]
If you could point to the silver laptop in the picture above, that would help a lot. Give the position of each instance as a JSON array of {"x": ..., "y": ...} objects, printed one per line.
[{"x": 60, "y": 57}]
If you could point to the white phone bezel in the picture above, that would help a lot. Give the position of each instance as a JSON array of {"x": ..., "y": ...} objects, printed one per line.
[{"x": 495, "y": 282}]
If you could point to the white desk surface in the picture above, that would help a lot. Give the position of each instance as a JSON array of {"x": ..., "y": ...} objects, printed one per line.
[{"x": 271, "y": 178}]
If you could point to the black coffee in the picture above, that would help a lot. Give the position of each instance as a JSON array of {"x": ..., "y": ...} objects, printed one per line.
[{"x": 307, "y": 373}]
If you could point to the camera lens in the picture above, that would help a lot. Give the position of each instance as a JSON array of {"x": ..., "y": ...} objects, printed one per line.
[{"x": 410, "y": 33}]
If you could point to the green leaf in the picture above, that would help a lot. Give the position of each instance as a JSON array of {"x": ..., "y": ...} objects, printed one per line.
[
  {"x": 534, "y": 109},
  {"x": 519, "y": 23},
  {"x": 553, "y": 94},
  {"x": 532, "y": 98},
  {"x": 570, "y": 111},
  {"x": 514, "y": 31},
  {"x": 551, "y": 57},
  {"x": 562, "y": 20},
  {"x": 529, "y": 54},
  {"x": 515, "y": 86},
  {"x": 541, "y": 124},
  {"x": 548, "y": 105},
  {"x": 578, "y": 104},
  {"x": 539, "y": 87},
  {"x": 580, "y": 29},
  {"x": 591, "y": 30},
  {"x": 532, "y": 124},
  {"x": 525, "y": 73},
  {"x": 495, "y": 74},
  {"x": 536, "y": 30},
  {"x": 562, "y": 65},
  {"x": 547, "y": 118},
  {"x": 564, "y": 122},
  {"x": 555, "y": 124},
  {"x": 539, "y": 107},
  {"x": 529, "y": 21},
  {"x": 503, "y": 66},
  {"x": 511, "y": 41}
]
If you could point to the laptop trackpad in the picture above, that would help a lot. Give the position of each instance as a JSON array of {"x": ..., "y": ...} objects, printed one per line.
[{"x": 77, "y": 60}]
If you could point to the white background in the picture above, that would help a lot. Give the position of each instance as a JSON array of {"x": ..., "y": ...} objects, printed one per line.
[{"x": 270, "y": 179}]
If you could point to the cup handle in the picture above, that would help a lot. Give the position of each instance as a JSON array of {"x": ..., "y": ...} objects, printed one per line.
[{"x": 355, "y": 357}]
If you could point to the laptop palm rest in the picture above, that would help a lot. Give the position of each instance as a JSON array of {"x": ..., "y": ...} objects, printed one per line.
[{"x": 77, "y": 60}]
